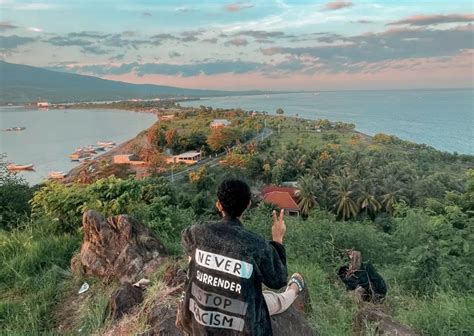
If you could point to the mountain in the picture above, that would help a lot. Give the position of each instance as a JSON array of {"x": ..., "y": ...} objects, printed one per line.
[{"x": 23, "y": 84}]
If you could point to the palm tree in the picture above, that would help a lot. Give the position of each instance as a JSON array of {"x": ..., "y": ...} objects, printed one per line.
[
  {"x": 344, "y": 192},
  {"x": 307, "y": 186},
  {"x": 391, "y": 193},
  {"x": 367, "y": 200}
]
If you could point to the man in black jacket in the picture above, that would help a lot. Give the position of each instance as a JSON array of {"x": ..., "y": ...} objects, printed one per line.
[{"x": 228, "y": 264}]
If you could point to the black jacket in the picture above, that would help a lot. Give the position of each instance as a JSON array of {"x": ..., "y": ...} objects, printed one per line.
[
  {"x": 367, "y": 278},
  {"x": 223, "y": 294}
]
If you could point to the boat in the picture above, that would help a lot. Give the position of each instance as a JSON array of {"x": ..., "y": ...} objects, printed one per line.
[
  {"x": 15, "y": 167},
  {"x": 78, "y": 155},
  {"x": 106, "y": 143},
  {"x": 86, "y": 150},
  {"x": 9, "y": 129},
  {"x": 57, "y": 175},
  {"x": 99, "y": 148}
]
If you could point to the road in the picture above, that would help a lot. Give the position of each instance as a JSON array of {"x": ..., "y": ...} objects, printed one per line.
[{"x": 214, "y": 161}]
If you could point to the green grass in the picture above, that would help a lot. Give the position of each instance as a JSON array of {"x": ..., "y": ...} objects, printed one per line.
[{"x": 33, "y": 263}]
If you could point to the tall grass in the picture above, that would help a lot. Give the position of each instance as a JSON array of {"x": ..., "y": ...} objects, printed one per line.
[{"x": 33, "y": 262}]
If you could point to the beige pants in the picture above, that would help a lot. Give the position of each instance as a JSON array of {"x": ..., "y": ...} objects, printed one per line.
[{"x": 277, "y": 303}]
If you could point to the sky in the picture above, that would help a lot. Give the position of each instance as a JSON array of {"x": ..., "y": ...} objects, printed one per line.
[{"x": 272, "y": 45}]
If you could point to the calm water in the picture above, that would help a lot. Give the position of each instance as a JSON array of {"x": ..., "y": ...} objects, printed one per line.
[
  {"x": 52, "y": 135},
  {"x": 443, "y": 119}
]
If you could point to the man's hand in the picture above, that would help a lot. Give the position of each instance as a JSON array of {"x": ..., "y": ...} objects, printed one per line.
[{"x": 278, "y": 227}]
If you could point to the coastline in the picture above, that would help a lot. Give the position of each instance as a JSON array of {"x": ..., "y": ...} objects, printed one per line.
[{"x": 123, "y": 147}]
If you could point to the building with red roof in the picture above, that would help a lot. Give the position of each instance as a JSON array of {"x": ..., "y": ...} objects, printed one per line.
[{"x": 283, "y": 198}]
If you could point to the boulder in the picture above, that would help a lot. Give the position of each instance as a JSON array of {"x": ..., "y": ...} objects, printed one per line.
[
  {"x": 291, "y": 322},
  {"x": 123, "y": 299},
  {"x": 118, "y": 247},
  {"x": 384, "y": 323}
]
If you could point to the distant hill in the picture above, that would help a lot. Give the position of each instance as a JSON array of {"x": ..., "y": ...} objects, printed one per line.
[{"x": 23, "y": 83}]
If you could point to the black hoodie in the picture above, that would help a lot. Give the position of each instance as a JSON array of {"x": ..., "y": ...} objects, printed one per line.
[{"x": 223, "y": 294}]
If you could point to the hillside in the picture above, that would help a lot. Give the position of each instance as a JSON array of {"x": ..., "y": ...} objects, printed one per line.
[
  {"x": 23, "y": 83},
  {"x": 407, "y": 208}
]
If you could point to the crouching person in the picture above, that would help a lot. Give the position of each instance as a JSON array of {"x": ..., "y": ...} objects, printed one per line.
[
  {"x": 363, "y": 279},
  {"x": 228, "y": 265}
]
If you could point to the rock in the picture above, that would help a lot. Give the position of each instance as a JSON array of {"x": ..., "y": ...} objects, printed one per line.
[
  {"x": 174, "y": 275},
  {"x": 384, "y": 324},
  {"x": 124, "y": 299},
  {"x": 162, "y": 319},
  {"x": 118, "y": 247},
  {"x": 291, "y": 322}
]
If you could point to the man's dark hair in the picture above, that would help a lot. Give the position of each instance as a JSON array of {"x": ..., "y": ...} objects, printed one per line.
[{"x": 234, "y": 196}]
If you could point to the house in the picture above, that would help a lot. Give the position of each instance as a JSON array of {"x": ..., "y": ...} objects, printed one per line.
[
  {"x": 127, "y": 159},
  {"x": 43, "y": 104},
  {"x": 187, "y": 158},
  {"x": 219, "y": 123},
  {"x": 166, "y": 117},
  {"x": 283, "y": 198}
]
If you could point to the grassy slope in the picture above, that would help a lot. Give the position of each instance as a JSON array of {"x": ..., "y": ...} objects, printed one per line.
[{"x": 36, "y": 287}]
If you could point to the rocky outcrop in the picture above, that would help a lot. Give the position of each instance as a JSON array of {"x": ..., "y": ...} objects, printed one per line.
[
  {"x": 384, "y": 324},
  {"x": 117, "y": 247},
  {"x": 123, "y": 299}
]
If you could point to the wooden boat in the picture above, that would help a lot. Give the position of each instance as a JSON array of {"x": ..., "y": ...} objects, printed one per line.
[
  {"x": 78, "y": 155},
  {"x": 15, "y": 167},
  {"x": 10, "y": 129},
  {"x": 99, "y": 148},
  {"x": 106, "y": 143},
  {"x": 57, "y": 175}
]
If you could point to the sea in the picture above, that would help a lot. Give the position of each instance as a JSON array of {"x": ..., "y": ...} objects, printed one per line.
[
  {"x": 443, "y": 119},
  {"x": 51, "y": 135}
]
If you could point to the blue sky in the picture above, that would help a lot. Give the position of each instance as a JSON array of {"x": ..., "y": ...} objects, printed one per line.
[{"x": 249, "y": 44}]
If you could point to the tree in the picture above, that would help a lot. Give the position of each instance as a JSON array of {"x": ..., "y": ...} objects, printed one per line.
[
  {"x": 14, "y": 197},
  {"x": 221, "y": 138},
  {"x": 280, "y": 111},
  {"x": 391, "y": 193},
  {"x": 367, "y": 200},
  {"x": 307, "y": 186},
  {"x": 171, "y": 137},
  {"x": 343, "y": 192}
]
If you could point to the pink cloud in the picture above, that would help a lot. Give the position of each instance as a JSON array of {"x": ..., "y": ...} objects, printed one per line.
[
  {"x": 236, "y": 7},
  {"x": 404, "y": 74},
  {"x": 426, "y": 20},
  {"x": 335, "y": 5},
  {"x": 238, "y": 42}
]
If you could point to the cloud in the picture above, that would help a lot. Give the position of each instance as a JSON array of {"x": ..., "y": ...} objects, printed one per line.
[
  {"x": 34, "y": 29},
  {"x": 68, "y": 41},
  {"x": 364, "y": 21},
  {"x": 210, "y": 40},
  {"x": 427, "y": 20},
  {"x": 185, "y": 9},
  {"x": 394, "y": 44},
  {"x": 148, "y": 14},
  {"x": 94, "y": 49},
  {"x": 9, "y": 43},
  {"x": 118, "y": 57},
  {"x": 336, "y": 5},
  {"x": 36, "y": 6},
  {"x": 129, "y": 33},
  {"x": 4, "y": 25},
  {"x": 210, "y": 67},
  {"x": 237, "y": 7},
  {"x": 173, "y": 54},
  {"x": 164, "y": 36},
  {"x": 237, "y": 42},
  {"x": 261, "y": 34},
  {"x": 88, "y": 34}
]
